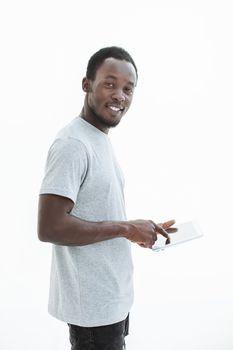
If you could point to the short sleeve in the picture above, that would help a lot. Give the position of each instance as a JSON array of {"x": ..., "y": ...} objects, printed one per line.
[{"x": 66, "y": 168}]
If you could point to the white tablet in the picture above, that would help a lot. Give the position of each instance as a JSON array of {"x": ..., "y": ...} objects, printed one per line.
[{"x": 186, "y": 232}]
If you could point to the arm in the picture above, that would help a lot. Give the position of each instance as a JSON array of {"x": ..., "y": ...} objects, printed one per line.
[{"x": 56, "y": 225}]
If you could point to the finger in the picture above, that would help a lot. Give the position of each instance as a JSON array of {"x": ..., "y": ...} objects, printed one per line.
[
  {"x": 161, "y": 231},
  {"x": 172, "y": 230},
  {"x": 146, "y": 245},
  {"x": 168, "y": 224},
  {"x": 142, "y": 245}
]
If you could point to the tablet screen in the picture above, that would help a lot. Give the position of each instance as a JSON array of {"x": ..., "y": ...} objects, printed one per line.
[{"x": 186, "y": 232}]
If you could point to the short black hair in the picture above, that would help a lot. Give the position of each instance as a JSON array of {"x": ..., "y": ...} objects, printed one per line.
[{"x": 98, "y": 58}]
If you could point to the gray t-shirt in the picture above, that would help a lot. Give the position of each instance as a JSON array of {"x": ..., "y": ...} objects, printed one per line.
[{"x": 90, "y": 285}]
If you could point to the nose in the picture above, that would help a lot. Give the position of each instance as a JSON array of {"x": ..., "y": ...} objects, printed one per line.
[{"x": 118, "y": 95}]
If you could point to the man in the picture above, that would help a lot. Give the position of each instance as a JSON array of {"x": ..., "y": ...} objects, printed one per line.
[{"x": 82, "y": 212}]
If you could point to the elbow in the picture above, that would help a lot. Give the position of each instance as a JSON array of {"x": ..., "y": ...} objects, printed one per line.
[
  {"x": 43, "y": 237},
  {"x": 50, "y": 233},
  {"x": 45, "y": 234}
]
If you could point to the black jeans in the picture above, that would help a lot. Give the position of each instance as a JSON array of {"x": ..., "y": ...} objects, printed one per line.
[{"x": 110, "y": 337}]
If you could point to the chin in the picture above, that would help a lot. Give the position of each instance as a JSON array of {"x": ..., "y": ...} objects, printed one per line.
[
  {"x": 109, "y": 122},
  {"x": 105, "y": 119}
]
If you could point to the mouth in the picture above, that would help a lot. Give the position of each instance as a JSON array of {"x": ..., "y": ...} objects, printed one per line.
[{"x": 115, "y": 108}]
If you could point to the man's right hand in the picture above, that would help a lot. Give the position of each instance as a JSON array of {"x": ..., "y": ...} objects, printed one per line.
[{"x": 144, "y": 232}]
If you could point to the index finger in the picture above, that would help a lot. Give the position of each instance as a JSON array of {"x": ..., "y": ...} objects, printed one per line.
[{"x": 162, "y": 232}]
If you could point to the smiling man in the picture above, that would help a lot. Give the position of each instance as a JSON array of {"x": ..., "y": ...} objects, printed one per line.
[
  {"x": 110, "y": 92},
  {"x": 82, "y": 212}
]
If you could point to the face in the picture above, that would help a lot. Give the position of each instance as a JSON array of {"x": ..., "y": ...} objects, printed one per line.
[{"x": 109, "y": 96}]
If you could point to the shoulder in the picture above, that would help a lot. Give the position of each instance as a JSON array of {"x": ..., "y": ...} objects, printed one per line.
[
  {"x": 68, "y": 148},
  {"x": 75, "y": 135}
]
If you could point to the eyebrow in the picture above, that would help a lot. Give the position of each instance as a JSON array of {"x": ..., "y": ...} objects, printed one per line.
[{"x": 115, "y": 78}]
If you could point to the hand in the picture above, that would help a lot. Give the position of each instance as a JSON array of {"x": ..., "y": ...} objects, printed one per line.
[
  {"x": 167, "y": 227},
  {"x": 144, "y": 232}
]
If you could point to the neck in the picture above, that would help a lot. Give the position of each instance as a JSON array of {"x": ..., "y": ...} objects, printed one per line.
[{"x": 89, "y": 115}]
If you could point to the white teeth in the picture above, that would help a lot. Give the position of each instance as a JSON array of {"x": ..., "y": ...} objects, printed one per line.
[{"x": 116, "y": 109}]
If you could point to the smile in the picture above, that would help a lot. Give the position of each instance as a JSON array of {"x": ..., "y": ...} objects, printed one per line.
[{"x": 115, "y": 108}]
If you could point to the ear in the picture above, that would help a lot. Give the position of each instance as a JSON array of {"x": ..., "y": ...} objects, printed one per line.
[{"x": 86, "y": 84}]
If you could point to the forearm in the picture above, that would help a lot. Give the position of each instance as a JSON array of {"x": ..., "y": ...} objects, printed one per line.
[
  {"x": 72, "y": 231},
  {"x": 56, "y": 225}
]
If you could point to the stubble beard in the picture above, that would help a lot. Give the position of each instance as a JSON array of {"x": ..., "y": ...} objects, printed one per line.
[{"x": 103, "y": 121}]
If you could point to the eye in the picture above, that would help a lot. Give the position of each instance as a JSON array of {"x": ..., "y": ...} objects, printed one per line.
[
  {"x": 108, "y": 84},
  {"x": 129, "y": 90}
]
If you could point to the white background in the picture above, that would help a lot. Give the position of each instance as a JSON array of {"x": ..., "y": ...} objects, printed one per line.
[{"x": 174, "y": 145}]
